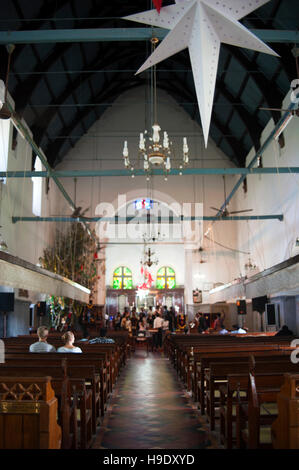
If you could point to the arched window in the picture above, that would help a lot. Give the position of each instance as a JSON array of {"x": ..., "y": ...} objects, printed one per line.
[
  {"x": 122, "y": 278},
  {"x": 165, "y": 278}
]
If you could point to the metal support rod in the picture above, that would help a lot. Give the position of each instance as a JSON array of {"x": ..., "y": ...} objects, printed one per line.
[
  {"x": 41, "y": 36},
  {"x": 123, "y": 172},
  {"x": 150, "y": 220}
]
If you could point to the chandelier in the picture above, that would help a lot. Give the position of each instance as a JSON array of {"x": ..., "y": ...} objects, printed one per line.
[
  {"x": 250, "y": 268},
  {"x": 147, "y": 259},
  {"x": 153, "y": 150}
]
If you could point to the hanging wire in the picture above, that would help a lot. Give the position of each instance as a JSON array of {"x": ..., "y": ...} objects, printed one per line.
[
  {"x": 259, "y": 223},
  {"x": 224, "y": 246},
  {"x": 286, "y": 229},
  {"x": 154, "y": 42},
  {"x": 24, "y": 181}
]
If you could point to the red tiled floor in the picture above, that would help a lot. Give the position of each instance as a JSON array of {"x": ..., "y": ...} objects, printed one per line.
[{"x": 149, "y": 409}]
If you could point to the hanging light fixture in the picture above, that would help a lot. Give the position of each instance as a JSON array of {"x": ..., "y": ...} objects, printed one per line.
[
  {"x": 155, "y": 151},
  {"x": 148, "y": 258}
]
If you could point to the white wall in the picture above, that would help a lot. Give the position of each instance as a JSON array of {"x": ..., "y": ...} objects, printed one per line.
[
  {"x": 101, "y": 148},
  {"x": 130, "y": 256},
  {"x": 25, "y": 240},
  {"x": 272, "y": 241}
]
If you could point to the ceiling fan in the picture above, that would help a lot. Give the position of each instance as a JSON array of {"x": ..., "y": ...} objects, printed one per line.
[
  {"x": 224, "y": 212},
  {"x": 4, "y": 109}
]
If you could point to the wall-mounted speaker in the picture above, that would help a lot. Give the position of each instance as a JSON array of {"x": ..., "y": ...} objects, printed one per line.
[
  {"x": 7, "y": 301},
  {"x": 241, "y": 307},
  {"x": 259, "y": 303},
  {"x": 41, "y": 309}
]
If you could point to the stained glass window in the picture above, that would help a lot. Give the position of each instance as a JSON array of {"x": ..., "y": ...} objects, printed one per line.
[
  {"x": 143, "y": 204},
  {"x": 165, "y": 278},
  {"x": 122, "y": 278}
]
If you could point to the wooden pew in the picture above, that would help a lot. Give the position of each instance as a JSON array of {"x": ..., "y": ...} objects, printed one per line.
[
  {"x": 82, "y": 374},
  {"x": 238, "y": 382},
  {"x": 72, "y": 395},
  {"x": 28, "y": 414},
  {"x": 285, "y": 429},
  {"x": 74, "y": 361},
  {"x": 109, "y": 370},
  {"x": 249, "y": 420},
  {"x": 177, "y": 344},
  {"x": 186, "y": 356},
  {"x": 202, "y": 361}
]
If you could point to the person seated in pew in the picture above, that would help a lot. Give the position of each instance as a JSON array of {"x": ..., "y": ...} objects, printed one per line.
[
  {"x": 284, "y": 331},
  {"x": 237, "y": 330},
  {"x": 69, "y": 347},
  {"x": 41, "y": 345},
  {"x": 223, "y": 331}
]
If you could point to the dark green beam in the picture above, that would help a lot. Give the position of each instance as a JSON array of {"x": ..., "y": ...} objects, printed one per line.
[
  {"x": 139, "y": 172},
  {"x": 120, "y": 34},
  {"x": 151, "y": 220}
]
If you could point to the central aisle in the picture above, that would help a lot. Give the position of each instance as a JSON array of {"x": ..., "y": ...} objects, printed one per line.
[{"x": 150, "y": 410}]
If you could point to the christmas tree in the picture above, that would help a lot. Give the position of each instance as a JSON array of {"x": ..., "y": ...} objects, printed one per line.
[{"x": 74, "y": 255}]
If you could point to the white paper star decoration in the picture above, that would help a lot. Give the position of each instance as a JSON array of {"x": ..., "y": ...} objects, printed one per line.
[{"x": 201, "y": 25}]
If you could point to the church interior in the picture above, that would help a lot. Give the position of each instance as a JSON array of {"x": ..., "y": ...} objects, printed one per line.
[{"x": 149, "y": 210}]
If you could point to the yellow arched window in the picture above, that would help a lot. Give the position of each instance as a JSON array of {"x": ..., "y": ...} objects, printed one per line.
[
  {"x": 165, "y": 278},
  {"x": 122, "y": 278}
]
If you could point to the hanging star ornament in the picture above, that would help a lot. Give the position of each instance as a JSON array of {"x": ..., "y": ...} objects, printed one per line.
[{"x": 202, "y": 25}]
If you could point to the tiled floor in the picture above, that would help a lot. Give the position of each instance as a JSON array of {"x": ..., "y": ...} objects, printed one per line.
[{"x": 149, "y": 409}]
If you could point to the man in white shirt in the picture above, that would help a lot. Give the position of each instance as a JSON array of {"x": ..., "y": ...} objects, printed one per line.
[
  {"x": 158, "y": 324},
  {"x": 42, "y": 345}
]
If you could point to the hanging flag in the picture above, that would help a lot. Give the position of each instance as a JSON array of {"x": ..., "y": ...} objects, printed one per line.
[{"x": 158, "y": 5}]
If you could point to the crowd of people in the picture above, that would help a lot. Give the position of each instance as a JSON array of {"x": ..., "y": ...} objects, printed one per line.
[
  {"x": 165, "y": 319},
  {"x": 137, "y": 322},
  {"x": 140, "y": 323},
  {"x": 217, "y": 326}
]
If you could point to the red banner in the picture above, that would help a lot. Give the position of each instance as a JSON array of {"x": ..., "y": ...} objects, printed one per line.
[{"x": 158, "y": 5}]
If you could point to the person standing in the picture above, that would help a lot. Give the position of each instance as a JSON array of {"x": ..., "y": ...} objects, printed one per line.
[
  {"x": 134, "y": 322},
  {"x": 172, "y": 320},
  {"x": 202, "y": 324},
  {"x": 150, "y": 320},
  {"x": 158, "y": 324}
]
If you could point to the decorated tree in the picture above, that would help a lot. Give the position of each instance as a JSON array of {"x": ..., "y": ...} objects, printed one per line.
[{"x": 74, "y": 256}]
